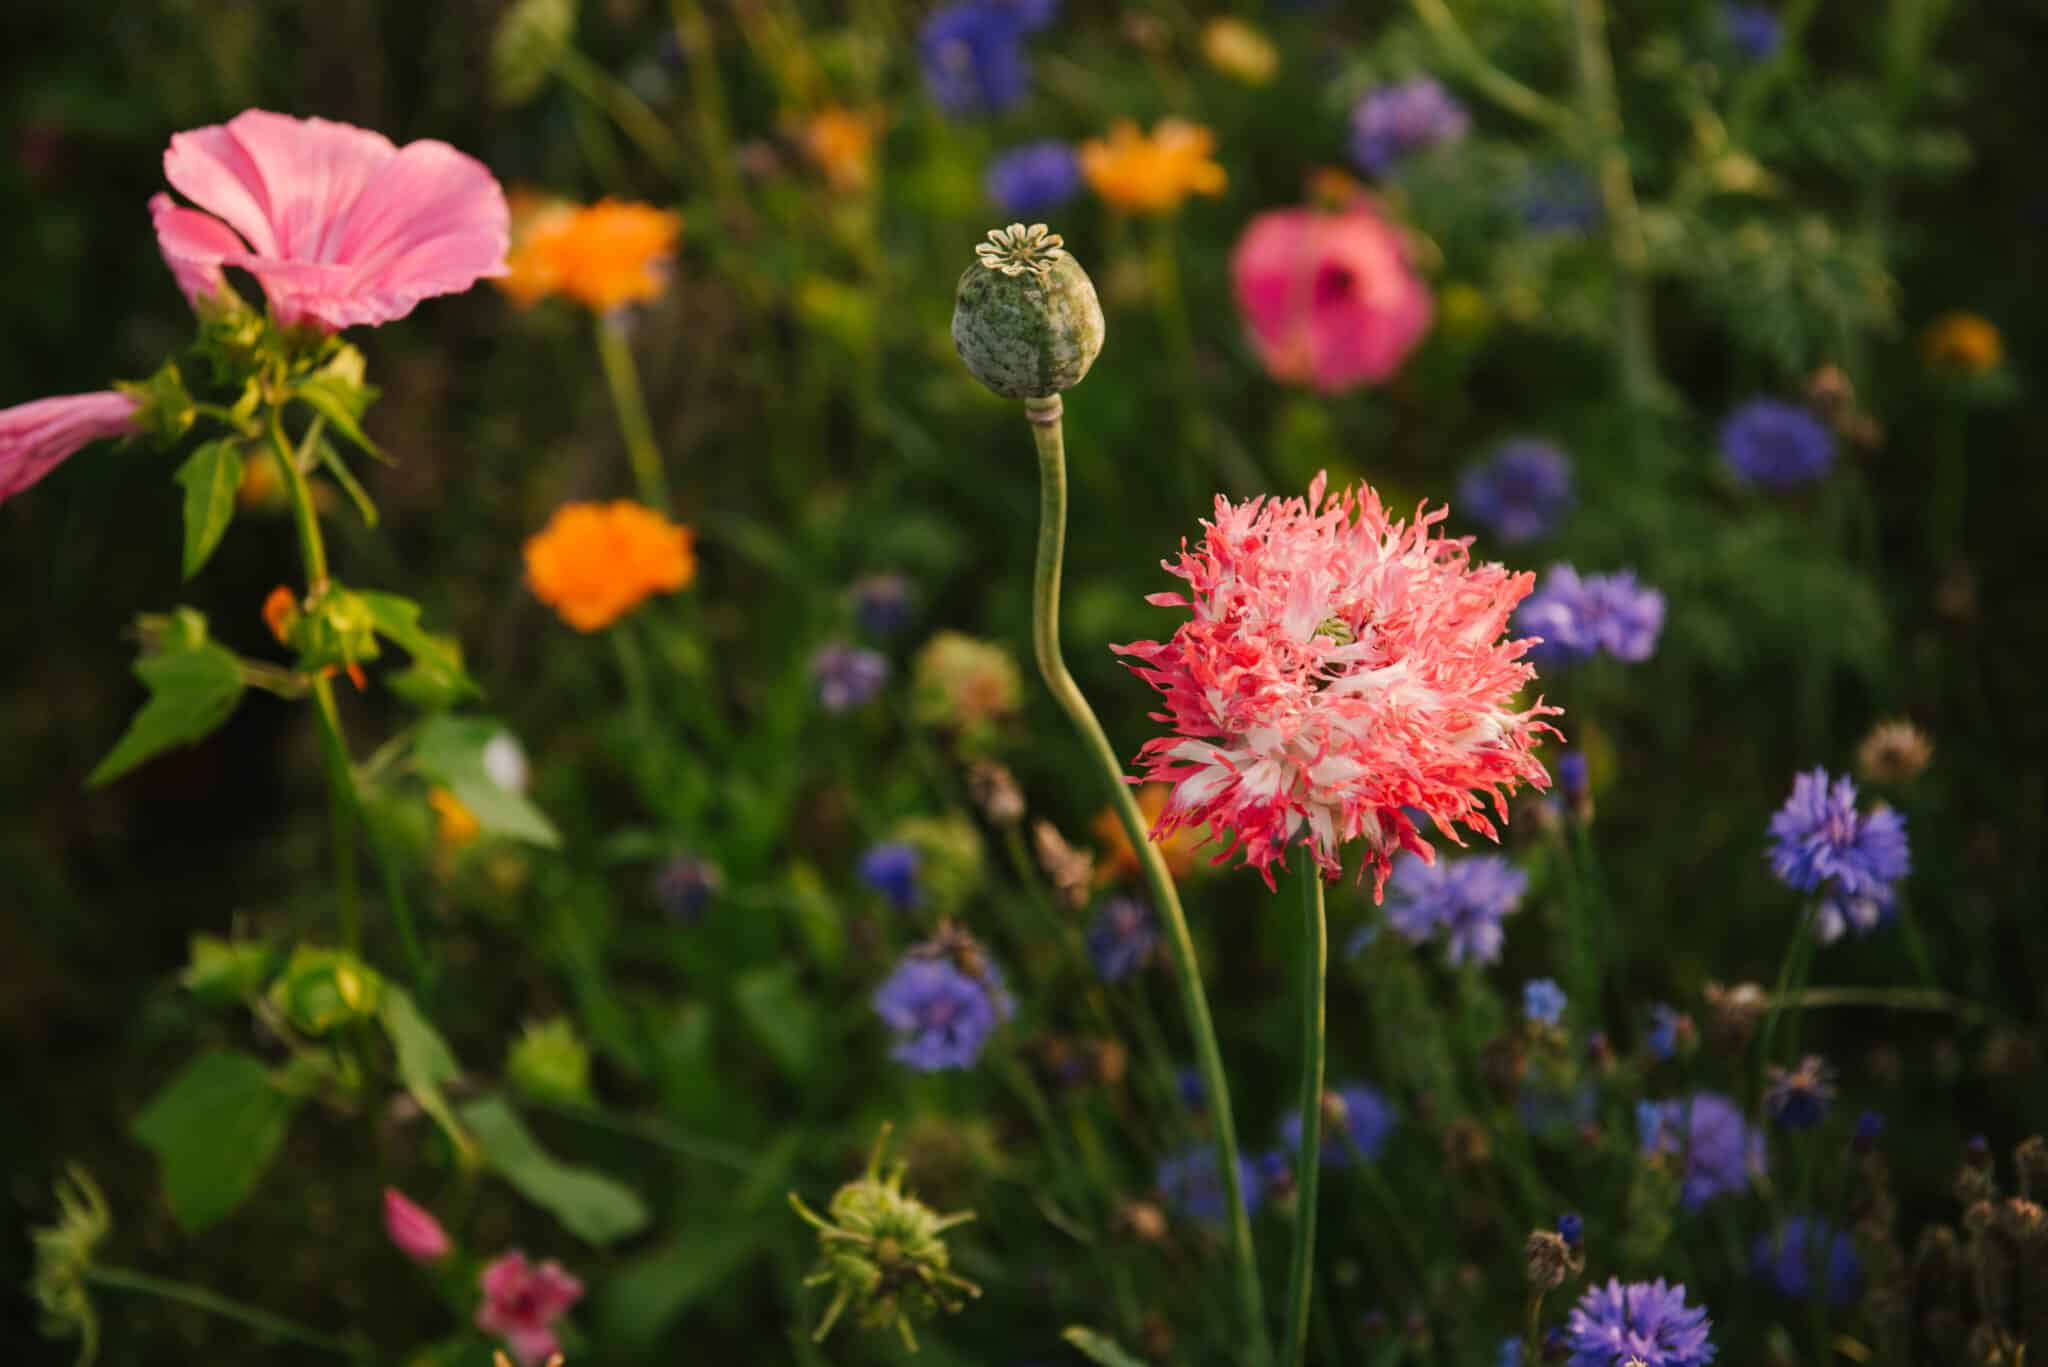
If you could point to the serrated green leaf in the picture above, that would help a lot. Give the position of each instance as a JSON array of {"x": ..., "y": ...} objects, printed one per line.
[
  {"x": 782, "y": 1018},
  {"x": 1098, "y": 1348},
  {"x": 436, "y": 679},
  {"x": 210, "y": 476},
  {"x": 214, "y": 1129},
  {"x": 449, "y": 751},
  {"x": 424, "y": 1063},
  {"x": 193, "y": 688},
  {"x": 590, "y": 1205}
]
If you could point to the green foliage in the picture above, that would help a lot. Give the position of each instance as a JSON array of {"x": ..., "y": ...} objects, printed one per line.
[
  {"x": 215, "y": 1128},
  {"x": 425, "y": 1063},
  {"x": 193, "y": 686},
  {"x": 550, "y": 1062},
  {"x": 223, "y": 972},
  {"x": 593, "y": 1207},
  {"x": 210, "y": 476},
  {"x": 337, "y": 393},
  {"x": 781, "y": 1016},
  {"x": 324, "y": 990},
  {"x": 1099, "y": 1348},
  {"x": 435, "y": 680},
  {"x": 449, "y": 751},
  {"x": 531, "y": 38}
]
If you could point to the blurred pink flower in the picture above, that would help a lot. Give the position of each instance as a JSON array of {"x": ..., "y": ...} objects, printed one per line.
[
  {"x": 1339, "y": 670},
  {"x": 521, "y": 1303},
  {"x": 35, "y": 438},
  {"x": 339, "y": 227},
  {"x": 1330, "y": 297},
  {"x": 419, "y": 1236}
]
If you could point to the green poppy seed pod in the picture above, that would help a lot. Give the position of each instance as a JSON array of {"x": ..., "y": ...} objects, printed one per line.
[{"x": 1025, "y": 318}]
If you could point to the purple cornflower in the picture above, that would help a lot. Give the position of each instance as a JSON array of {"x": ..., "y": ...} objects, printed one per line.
[
  {"x": 973, "y": 52},
  {"x": 1784, "y": 1260},
  {"x": 848, "y": 676},
  {"x": 1192, "y": 1184},
  {"x": 1122, "y": 935},
  {"x": 1721, "y": 1152},
  {"x": 1821, "y": 843},
  {"x": 1753, "y": 31},
  {"x": 1574, "y": 778},
  {"x": 684, "y": 887},
  {"x": 1798, "y": 1099},
  {"x": 1559, "y": 198},
  {"x": 1580, "y": 616},
  {"x": 941, "y": 1017},
  {"x": 1029, "y": 180},
  {"x": 1520, "y": 492},
  {"x": 1394, "y": 122},
  {"x": 1776, "y": 445},
  {"x": 1464, "y": 898},
  {"x": 1646, "y": 1322},
  {"x": 1572, "y": 1229},
  {"x": 1668, "y": 1028},
  {"x": 1276, "y": 1175},
  {"x": 891, "y": 869},
  {"x": 882, "y": 603},
  {"x": 1354, "y": 1117},
  {"x": 1543, "y": 1001}
]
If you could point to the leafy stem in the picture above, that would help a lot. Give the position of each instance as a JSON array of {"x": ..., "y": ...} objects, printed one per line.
[
  {"x": 1315, "y": 966},
  {"x": 212, "y": 1302}
]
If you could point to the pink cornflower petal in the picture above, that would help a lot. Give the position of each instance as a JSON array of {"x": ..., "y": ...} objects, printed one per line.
[
  {"x": 1329, "y": 298},
  {"x": 35, "y": 438},
  {"x": 1338, "y": 670},
  {"x": 339, "y": 227}
]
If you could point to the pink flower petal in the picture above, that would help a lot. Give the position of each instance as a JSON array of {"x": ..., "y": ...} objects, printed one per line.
[
  {"x": 1329, "y": 298},
  {"x": 35, "y": 438},
  {"x": 193, "y": 246}
]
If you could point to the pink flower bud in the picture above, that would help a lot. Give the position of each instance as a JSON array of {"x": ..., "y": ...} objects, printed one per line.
[
  {"x": 35, "y": 438},
  {"x": 419, "y": 1236}
]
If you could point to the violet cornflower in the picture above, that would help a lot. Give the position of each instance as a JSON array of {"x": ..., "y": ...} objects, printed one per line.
[
  {"x": 1464, "y": 899},
  {"x": 1821, "y": 843},
  {"x": 1395, "y": 122},
  {"x": 1721, "y": 1152},
  {"x": 1520, "y": 492}
]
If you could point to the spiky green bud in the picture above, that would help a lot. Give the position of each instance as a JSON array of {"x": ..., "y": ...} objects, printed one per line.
[
  {"x": 550, "y": 1061},
  {"x": 1025, "y": 317},
  {"x": 64, "y": 1257}
]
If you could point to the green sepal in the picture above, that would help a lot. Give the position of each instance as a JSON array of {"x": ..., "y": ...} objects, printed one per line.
[
  {"x": 166, "y": 411},
  {"x": 324, "y": 989}
]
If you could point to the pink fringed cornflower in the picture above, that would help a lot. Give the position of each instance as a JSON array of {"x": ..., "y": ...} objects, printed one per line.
[
  {"x": 340, "y": 227},
  {"x": 35, "y": 438},
  {"x": 522, "y": 1302},
  {"x": 1330, "y": 298},
  {"x": 1338, "y": 667}
]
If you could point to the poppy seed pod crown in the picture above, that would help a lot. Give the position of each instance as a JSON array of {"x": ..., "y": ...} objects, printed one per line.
[{"x": 1025, "y": 318}]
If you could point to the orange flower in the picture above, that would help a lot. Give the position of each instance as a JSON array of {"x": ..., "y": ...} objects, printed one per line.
[
  {"x": 281, "y": 613},
  {"x": 605, "y": 256},
  {"x": 841, "y": 144},
  {"x": 1963, "y": 343},
  {"x": 1152, "y": 175},
  {"x": 595, "y": 562},
  {"x": 457, "y": 824},
  {"x": 1120, "y": 861}
]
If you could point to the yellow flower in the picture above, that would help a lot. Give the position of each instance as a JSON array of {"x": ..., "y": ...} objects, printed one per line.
[
  {"x": 457, "y": 824},
  {"x": 1239, "y": 51},
  {"x": 1152, "y": 175},
  {"x": 603, "y": 256},
  {"x": 841, "y": 144},
  {"x": 595, "y": 562},
  {"x": 1962, "y": 342}
]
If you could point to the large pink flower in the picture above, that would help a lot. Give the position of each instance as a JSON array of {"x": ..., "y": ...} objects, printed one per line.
[
  {"x": 1337, "y": 669},
  {"x": 522, "y": 1302},
  {"x": 340, "y": 227},
  {"x": 35, "y": 438},
  {"x": 1330, "y": 298}
]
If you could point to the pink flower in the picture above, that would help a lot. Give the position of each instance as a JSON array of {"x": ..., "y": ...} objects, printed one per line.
[
  {"x": 35, "y": 438},
  {"x": 1330, "y": 297},
  {"x": 340, "y": 227},
  {"x": 521, "y": 1303},
  {"x": 419, "y": 1236},
  {"x": 1337, "y": 670}
]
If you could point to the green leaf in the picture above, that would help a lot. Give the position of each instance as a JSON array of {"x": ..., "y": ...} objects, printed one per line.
[
  {"x": 209, "y": 476},
  {"x": 193, "y": 685},
  {"x": 1096, "y": 1348},
  {"x": 424, "y": 1063},
  {"x": 590, "y": 1205},
  {"x": 450, "y": 751},
  {"x": 644, "y": 1297},
  {"x": 214, "y": 1129},
  {"x": 221, "y": 972},
  {"x": 337, "y": 393},
  {"x": 437, "y": 679},
  {"x": 366, "y": 507},
  {"x": 782, "y": 1017}
]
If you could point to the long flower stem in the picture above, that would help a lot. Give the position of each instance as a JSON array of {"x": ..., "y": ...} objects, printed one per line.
[
  {"x": 1046, "y": 433},
  {"x": 1503, "y": 89},
  {"x": 693, "y": 36},
  {"x": 1308, "y": 1165},
  {"x": 630, "y": 404},
  {"x": 199, "y": 1298},
  {"x": 625, "y": 108}
]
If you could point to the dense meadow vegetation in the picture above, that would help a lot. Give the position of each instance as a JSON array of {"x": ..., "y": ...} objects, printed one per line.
[{"x": 758, "y": 681}]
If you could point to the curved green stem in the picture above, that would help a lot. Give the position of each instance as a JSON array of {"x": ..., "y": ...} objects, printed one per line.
[
  {"x": 199, "y": 1298},
  {"x": 1308, "y": 1164},
  {"x": 1503, "y": 89},
  {"x": 625, "y": 108},
  {"x": 635, "y": 427},
  {"x": 1044, "y": 416}
]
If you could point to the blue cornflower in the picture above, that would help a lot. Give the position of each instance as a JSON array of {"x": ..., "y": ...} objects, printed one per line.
[
  {"x": 882, "y": 603},
  {"x": 1572, "y": 1229},
  {"x": 1543, "y": 1001},
  {"x": 1520, "y": 492},
  {"x": 1194, "y": 1093},
  {"x": 973, "y": 52},
  {"x": 1509, "y": 1354},
  {"x": 1580, "y": 616},
  {"x": 684, "y": 887},
  {"x": 1121, "y": 937},
  {"x": 1821, "y": 843},
  {"x": 1721, "y": 1152},
  {"x": 941, "y": 1016},
  {"x": 1667, "y": 1025},
  {"x": 847, "y": 676},
  {"x": 1753, "y": 31},
  {"x": 1559, "y": 198},
  {"x": 1275, "y": 1174},
  {"x": 1394, "y": 122},
  {"x": 1573, "y": 776},
  {"x": 1869, "y": 1125},
  {"x": 1464, "y": 898},
  {"x": 1776, "y": 445},
  {"x": 1798, "y": 1098},
  {"x": 1192, "y": 1184},
  {"x": 1032, "y": 179},
  {"x": 1784, "y": 1260},
  {"x": 1354, "y": 1117},
  {"x": 891, "y": 869},
  {"x": 1646, "y": 1322}
]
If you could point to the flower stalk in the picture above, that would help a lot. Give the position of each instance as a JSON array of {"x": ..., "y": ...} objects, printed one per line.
[
  {"x": 1308, "y": 1163},
  {"x": 622, "y": 376},
  {"x": 213, "y": 1303}
]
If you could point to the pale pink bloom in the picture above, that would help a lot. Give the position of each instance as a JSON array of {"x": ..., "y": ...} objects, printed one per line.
[
  {"x": 522, "y": 1302},
  {"x": 339, "y": 227},
  {"x": 35, "y": 438},
  {"x": 419, "y": 1235},
  {"x": 1337, "y": 668},
  {"x": 1330, "y": 298}
]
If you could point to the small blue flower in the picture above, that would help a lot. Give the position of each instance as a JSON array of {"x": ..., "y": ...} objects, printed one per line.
[
  {"x": 1578, "y": 617},
  {"x": 1394, "y": 122},
  {"x": 1784, "y": 1260},
  {"x": 1121, "y": 937},
  {"x": 1666, "y": 1022},
  {"x": 1509, "y": 1354},
  {"x": 1275, "y": 1174},
  {"x": 891, "y": 869},
  {"x": 1194, "y": 1094},
  {"x": 1559, "y": 198},
  {"x": 1798, "y": 1098},
  {"x": 1033, "y": 179},
  {"x": 973, "y": 52},
  {"x": 941, "y": 1017},
  {"x": 1821, "y": 843},
  {"x": 1753, "y": 31},
  {"x": 1354, "y": 1117},
  {"x": 1869, "y": 1125},
  {"x": 1572, "y": 1229},
  {"x": 848, "y": 676},
  {"x": 1573, "y": 776},
  {"x": 684, "y": 887},
  {"x": 1192, "y": 1184},
  {"x": 1646, "y": 1322},
  {"x": 1721, "y": 1153},
  {"x": 1520, "y": 492},
  {"x": 1465, "y": 899},
  {"x": 882, "y": 603},
  {"x": 1776, "y": 445},
  {"x": 1543, "y": 1001}
]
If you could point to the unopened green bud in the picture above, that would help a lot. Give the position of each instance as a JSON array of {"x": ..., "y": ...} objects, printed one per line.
[
  {"x": 65, "y": 1254},
  {"x": 323, "y": 989},
  {"x": 220, "y": 972},
  {"x": 166, "y": 412},
  {"x": 550, "y": 1062},
  {"x": 1025, "y": 317}
]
